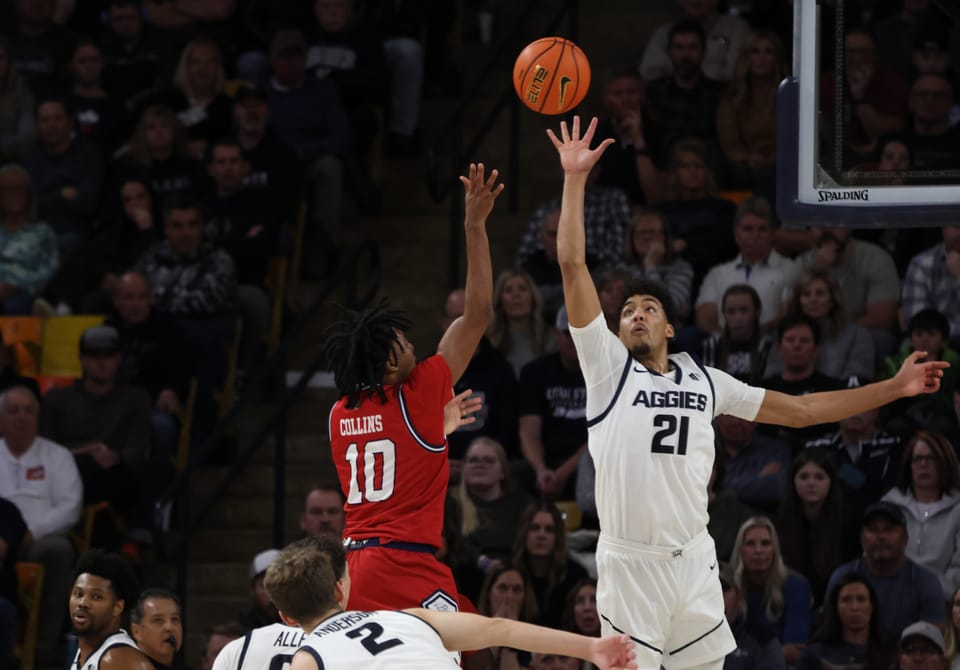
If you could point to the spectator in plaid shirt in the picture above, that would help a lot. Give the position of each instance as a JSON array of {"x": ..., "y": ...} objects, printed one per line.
[
  {"x": 933, "y": 280},
  {"x": 606, "y": 213}
]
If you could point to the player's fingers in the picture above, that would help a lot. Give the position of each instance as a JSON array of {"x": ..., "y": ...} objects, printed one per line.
[
  {"x": 564, "y": 132},
  {"x": 480, "y": 172},
  {"x": 912, "y": 358},
  {"x": 591, "y": 129},
  {"x": 553, "y": 138},
  {"x": 498, "y": 190},
  {"x": 576, "y": 127},
  {"x": 494, "y": 173}
]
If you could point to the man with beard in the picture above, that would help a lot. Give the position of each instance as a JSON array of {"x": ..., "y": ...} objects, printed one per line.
[
  {"x": 868, "y": 277},
  {"x": 104, "y": 583},
  {"x": 906, "y": 592},
  {"x": 157, "y": 626}
]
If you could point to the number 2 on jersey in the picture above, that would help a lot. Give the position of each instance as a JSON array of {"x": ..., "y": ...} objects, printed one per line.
[
  {"x": 369, "y": 636},
  {"x": 377, "y": 482},
  {"x": 667, "y": 423}
]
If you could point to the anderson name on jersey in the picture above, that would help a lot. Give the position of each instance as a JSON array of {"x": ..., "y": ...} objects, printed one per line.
[
  {"x": 270, "y": 647},
  {"x": 651, "y": 437},
  {"x": 378, "y": 640}
]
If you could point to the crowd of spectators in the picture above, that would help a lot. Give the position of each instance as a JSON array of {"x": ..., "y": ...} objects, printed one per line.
[{"x": 153, "y": 158}]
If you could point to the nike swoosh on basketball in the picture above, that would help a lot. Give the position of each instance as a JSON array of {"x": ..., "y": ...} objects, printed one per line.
[{"x": 564, "y": 82}]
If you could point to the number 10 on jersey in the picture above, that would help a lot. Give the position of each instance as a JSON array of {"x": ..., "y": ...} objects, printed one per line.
[{"x": 379, "y": 458}]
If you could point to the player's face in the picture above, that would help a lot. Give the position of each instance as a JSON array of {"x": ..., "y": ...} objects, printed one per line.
[
  {"x": 542, "y": 535},
  {"x": 924, "y": 470},
  {"x": 94, "y": 609},
  {"x": 516, "y": 298},
  {"x": 754, "y": 237},
  {"x": 854, "y": 607},
  {"x": 482, "y": 470},
  {"x": 643, "y": 325},
  {"x": 160, "y": 633},
  {"x": 740, "y": 317},
  {"x": 506, "y": 594},
  {"x": 585, "y": 610},
  {"x": 322, "y": 514},
  {"x": 756, "y": 553},
  {"x": 815, "y": 300},
  {"x": 812, "y": 484},
  {"x": 883, "y": 539}
]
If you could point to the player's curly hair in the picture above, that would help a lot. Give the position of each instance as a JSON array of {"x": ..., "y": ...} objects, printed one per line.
[
  {"x": 358, "y": 347},
  {"x": 115, "y": 568},
  {"x": 654, "y": 289}
]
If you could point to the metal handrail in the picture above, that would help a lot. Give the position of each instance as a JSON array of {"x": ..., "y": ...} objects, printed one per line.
[
  {"x": 176, "y": 542},
  {"x": 450, "y": 142}
]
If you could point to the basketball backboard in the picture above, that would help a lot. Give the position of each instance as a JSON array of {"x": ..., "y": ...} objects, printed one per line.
[{"x": 820, "y": 179}]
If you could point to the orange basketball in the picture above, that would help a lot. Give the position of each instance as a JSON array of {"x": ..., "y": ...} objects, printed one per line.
[{"x": 551, "y": 75}]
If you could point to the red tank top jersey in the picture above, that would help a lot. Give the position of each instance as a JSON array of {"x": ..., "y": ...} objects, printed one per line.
[{"x": 391, "y": 458}]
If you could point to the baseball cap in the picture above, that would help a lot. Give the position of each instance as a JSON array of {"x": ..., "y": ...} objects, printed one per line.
[
  {"x": 250, "y": 92},
  {"x": 562, "y": 323},
  {"x": 100, "y": 340},
  {"x": 887, "y": 509},
  {"x": 925, "y": 630},
  {"x": 262, "y": 561},
  {"x": 287, "y": 40}
]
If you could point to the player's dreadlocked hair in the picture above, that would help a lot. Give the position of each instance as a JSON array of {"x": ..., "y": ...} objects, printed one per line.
[{"x": 359, "y": 346}]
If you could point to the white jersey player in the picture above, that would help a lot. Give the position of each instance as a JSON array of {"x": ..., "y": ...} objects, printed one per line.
[
  {"x": 650, "y": 434},
  {"x": 119, "y": 639},
  {"x": 302, "y": 585},
  {"x": 267, "y": 648}
]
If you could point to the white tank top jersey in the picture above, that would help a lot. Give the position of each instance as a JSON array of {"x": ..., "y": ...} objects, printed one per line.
[
  {"x": 651, "y": 437},
  {"x": 378, "y": 640},
  {"x": 266, "y": 648},
  {"x": 119, "y": 639}
]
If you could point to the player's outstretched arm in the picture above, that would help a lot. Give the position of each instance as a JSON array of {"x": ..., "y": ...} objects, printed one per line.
[
  {"x": 462, "y": 337},
  {"x": 461, "y": 632},
  {"x": 913, "y": 379},
  {"x": 577, "y": 159}
]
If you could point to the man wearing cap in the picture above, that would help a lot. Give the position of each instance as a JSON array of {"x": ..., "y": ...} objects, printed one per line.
[
  {"x": 906, "y": 592},
  {"x": 922, "y": 648},
  {"x": 105, "y": 424},
  {"x": 41, "y": 479},
  {"x": 262, "y": 612},
  {"x": 274, "y": 165},
  {"x": 552, "y": 407}
]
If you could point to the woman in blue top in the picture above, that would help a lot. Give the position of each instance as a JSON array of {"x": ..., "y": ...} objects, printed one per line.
[
  {"x": 775, "y": 596},
  {"x": 850, "y": 634}
]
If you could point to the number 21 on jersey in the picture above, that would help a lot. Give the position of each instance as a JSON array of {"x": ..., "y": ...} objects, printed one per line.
[{"x": 378, "y": 461}]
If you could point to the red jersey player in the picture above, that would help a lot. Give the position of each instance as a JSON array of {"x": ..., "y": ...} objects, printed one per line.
[{"x": 387, "y": 431}]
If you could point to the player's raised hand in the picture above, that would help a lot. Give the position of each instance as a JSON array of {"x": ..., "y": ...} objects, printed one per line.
[
  {"x": 576, "y": 156},
  {"x": 460, "y": 410},
  {"x": 613, "y": 653},
  {"x": 917, "y": 376},
  {"x": 480, "y": 192}
]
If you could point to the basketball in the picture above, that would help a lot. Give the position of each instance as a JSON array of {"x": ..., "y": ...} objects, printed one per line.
[{"x": 551, "y": 75}]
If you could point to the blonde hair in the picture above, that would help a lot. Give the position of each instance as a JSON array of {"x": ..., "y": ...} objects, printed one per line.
[
  {"x": 773, "y": 589},
  {"x": 740, "y": 91},
  {"x": 499, "y": 330},
  {"x": 181, "y": 79},
  {"x": 469, "y": 520}
]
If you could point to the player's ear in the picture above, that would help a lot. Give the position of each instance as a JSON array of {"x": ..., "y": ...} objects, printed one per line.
[
  {"x": 340, "y": 592},
  {"x": 287, "y": 620},
  {"x": 670, "y": 331}
]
